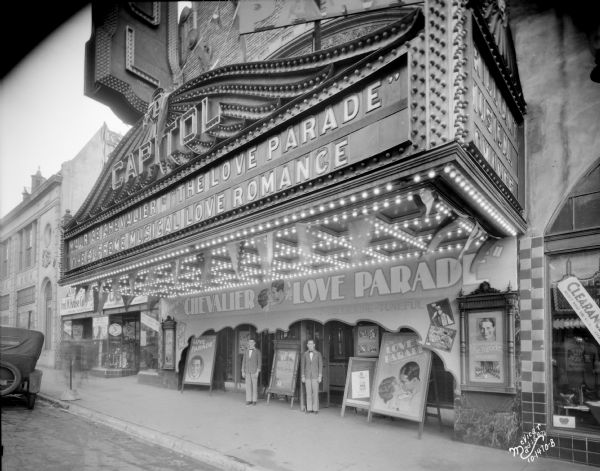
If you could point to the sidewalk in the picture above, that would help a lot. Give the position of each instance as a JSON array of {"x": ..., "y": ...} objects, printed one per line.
[{"x": 220, "y": 430}]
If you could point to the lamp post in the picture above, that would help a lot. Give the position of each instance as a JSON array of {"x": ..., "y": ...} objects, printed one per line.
[{"x": 168, "y": 344}]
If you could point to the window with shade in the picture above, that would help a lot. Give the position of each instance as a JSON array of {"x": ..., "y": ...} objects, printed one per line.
[
  {"x": 27, "y": 246},
  {"x": 4, "y": 259},
  {"x": 4, "y": 302},
  {"x": 26, "y": 296}
]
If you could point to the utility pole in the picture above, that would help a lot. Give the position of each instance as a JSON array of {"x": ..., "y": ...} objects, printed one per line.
[{"x": 317, "y": 30}]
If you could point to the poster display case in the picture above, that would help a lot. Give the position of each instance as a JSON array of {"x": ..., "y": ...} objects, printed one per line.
[{"x": 487, "y": 340}]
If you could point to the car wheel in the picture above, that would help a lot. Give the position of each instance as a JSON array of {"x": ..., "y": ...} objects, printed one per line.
[{"x": 10, "y": 378}]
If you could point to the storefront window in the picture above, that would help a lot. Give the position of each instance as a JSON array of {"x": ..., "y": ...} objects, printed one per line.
[
  {"x": 575, "y": 348},
  {"x": 123, "y": 342},
  {"x": 100, "y": 329},
  {"x": 78, "y": 347}
]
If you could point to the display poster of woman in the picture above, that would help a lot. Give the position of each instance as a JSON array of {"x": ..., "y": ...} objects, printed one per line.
[{"x": 402, "y": 377}]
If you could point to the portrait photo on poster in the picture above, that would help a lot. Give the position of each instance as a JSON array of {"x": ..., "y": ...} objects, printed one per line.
[
  {"x": 441, "y": 338},
  {"x": 196, "y": 367},
  {"x": 440, "y": 313},
  {"x": 200, "y": 360},
  {"x": 486, "y": 347}
]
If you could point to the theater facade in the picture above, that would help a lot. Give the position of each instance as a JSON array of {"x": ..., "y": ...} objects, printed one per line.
[{"x": 375, "y": 185}]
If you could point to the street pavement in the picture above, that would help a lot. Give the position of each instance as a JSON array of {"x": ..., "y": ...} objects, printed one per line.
[
  {"x": 48, "y": 439},
  {"x": 219, "y": 429}
]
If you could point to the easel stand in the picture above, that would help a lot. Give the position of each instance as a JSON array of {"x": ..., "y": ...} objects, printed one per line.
[
  {"x": 204, "y": 349},
  {"x": 210, "y": 386},
  {"x": 292, "y": 399},
  {"x": 284, "y": 371},
  {"x": 436, "y": 404}
]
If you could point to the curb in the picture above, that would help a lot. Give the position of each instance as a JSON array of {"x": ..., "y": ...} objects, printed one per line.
[{"x": 179, "y": 445}]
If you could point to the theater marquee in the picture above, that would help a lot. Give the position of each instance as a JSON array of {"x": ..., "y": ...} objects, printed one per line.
[{"x": 355, "y": 127}]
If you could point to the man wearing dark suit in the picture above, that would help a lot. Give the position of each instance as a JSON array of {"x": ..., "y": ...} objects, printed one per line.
[
  {"x": 250, "y": 369},
  {"x": 312, "y": 374}
]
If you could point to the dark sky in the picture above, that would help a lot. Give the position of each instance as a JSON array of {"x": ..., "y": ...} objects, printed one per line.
[{"x": 35, "y": 22}]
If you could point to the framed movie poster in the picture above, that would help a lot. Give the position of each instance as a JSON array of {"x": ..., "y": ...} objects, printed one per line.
[
  {"x": 200, "y": 361},
  {"x": 284, "y": 372},
  {"x": 359, "y": 382},
  {"x": 486, "y": 347},
  {"x": 169, "y": 348},
  {"x": 243, "y": 338},
  {"x": 441, "y": 338},
  {"x": 487, "y": 324},
  {"x": 367, "y": 341},
  {"x": 401, "y": 378}
]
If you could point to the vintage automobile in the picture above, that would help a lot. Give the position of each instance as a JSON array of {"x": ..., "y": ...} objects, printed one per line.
[{"x": 20, "y": 350}]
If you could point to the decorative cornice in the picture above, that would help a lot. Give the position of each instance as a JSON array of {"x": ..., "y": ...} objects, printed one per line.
[
  {"x": 43, "y": 189},
  {"x": 499, "y": 185}
]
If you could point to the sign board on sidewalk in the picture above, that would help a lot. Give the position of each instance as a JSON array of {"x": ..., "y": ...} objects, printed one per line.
[
  {"x": 401, "y": 378},
  {"x": 284, "y": 372},
  {"x": 200, "y": 361},
  {"x": 359, "y": 382}
]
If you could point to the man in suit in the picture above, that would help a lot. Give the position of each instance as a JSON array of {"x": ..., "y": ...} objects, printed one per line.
[
  {"x": 251, "y": 363},
  {"x": 312, "y": 375}
]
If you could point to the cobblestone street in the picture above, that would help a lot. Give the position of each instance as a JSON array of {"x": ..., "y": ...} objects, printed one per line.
[{"x": 48, "y": 438}]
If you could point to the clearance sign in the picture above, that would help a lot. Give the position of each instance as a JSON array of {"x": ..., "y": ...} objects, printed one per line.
[
  {"x": 359, "y": 125},
  {"x": 582, "y": 303}
]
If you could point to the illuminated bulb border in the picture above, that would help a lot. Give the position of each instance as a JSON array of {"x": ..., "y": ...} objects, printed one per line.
[{"x": 161, "y": 284}]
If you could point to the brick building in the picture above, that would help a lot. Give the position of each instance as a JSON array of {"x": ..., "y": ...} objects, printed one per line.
[{"x": 30, "y": 236}]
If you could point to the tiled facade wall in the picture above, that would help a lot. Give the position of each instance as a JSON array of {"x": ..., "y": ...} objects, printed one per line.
[
  {"x": 535, "y": 377},
  {"x": 531, "y": 294}
]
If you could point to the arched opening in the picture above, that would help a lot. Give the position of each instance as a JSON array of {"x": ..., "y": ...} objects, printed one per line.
[
  {"x": 573, "y": 266},
  {"x": 338, "y": 341}
]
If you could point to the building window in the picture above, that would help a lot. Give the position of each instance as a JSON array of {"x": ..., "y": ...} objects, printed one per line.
[
  {"x": 4, "y": 302},
  {"x": 575, "y": 349},
  {"x": 4, "y": 259},
  {"x": 26, "y": 296},
  {"x": 574, "y": 290},
  {"x": 24, "y": 319},
  {"x": 27, "y": 246}
]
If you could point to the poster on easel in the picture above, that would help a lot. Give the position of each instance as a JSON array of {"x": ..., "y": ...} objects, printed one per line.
[
  {"x": 284, "y": 372},
  {"x": 200, "y": 361},
  {"x": 401, "y": 378},
  {"x": 359, "y": 381}
]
